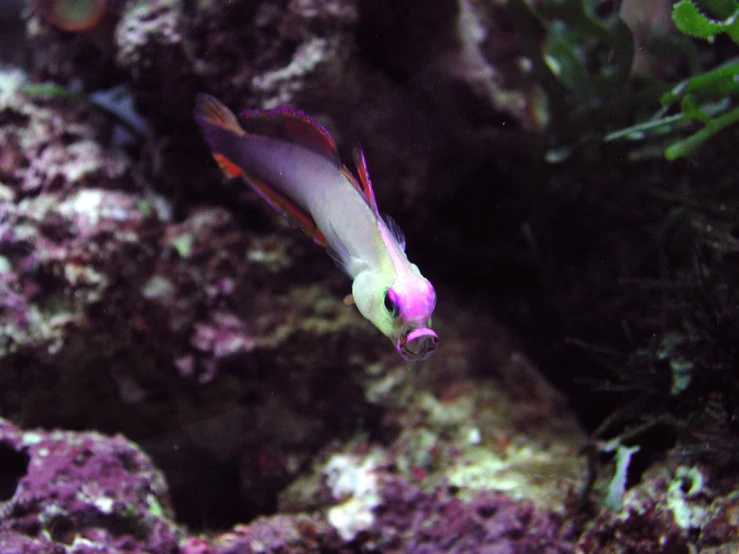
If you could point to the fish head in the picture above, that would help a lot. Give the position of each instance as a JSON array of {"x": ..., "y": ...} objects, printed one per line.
[{"x": 400, "y": 307}]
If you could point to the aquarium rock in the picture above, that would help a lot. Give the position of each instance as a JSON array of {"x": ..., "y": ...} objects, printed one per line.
[
  {"x": 674, "y": 508},
  {"x": 83, "y": 492}
]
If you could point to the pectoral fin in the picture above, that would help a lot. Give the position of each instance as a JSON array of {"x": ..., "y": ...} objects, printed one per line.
[
  {"x": 339, "y": 252},
  {"x": 395, "y": 231}
]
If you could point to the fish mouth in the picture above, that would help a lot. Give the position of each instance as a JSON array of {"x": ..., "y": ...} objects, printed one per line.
[{"x": 418, "y": 344}]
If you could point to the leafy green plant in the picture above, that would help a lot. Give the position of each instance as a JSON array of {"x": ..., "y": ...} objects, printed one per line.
[
  {"x": 588, "y": 52},
  {"x": 689, "y": 19},
  {"x": 709, "y": 98}
]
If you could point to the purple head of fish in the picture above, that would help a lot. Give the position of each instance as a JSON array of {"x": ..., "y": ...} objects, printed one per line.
[
  {"x": 416, "y": 300},
  {"x": 418, "y": 344}
]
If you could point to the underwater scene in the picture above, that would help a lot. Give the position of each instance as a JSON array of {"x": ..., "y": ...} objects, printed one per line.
[{"x": 369, "y": 276}]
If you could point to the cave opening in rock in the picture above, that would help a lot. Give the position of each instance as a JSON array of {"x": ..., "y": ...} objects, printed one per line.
[{"x": 13, "y": 466}]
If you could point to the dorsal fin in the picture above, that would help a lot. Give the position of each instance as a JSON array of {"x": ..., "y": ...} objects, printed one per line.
[
  {"x": 364, "y": 178},
  {"x": 352, "y": 179},
  {"x": 291, "y": 126},
  {"x": 395, "y": 231}
]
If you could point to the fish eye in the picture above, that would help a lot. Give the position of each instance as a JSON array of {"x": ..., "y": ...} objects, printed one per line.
[{"x": 390, "y": 305}]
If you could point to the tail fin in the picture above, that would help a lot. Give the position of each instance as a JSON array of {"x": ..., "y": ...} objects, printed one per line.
[
  {"x": 210, "y": 111},
  {"x": 221, "y": 130}
]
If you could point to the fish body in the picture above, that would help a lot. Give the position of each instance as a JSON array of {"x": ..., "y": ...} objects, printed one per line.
[
  {"x": 337, "y": 208},
  {"x": 294, "y": 164}
]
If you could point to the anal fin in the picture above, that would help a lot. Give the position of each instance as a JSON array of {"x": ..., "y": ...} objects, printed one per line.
[
  {"x": 287, "y": 208},
  {"x": 229, "y": 168}
]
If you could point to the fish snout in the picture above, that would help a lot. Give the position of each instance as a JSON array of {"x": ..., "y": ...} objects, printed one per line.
[{"x": 418, "y": 344}]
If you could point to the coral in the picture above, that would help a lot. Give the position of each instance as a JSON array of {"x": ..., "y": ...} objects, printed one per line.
[
  {"x": 213, "y": 316},
  {"x": 72, "y": 17},
  {"x": 305, "y": 54},
  {"x": 672, "y": 509},
  {"x": 97, "y": 276},
  {"x": 150, "y": 53},
  {"x": 285, "y": 534},
  {"x": 467, "y": 53},
  {"x": 71, "y": 46},
  {"x": 84, "y": 492},
  {"x": 475, "y": 420},
  {"x": 18, "y": 542},
  {"x": 269, "y": 53},
  {"x": 416, "y": 522},
  {"x": 139, "y": 294},
  {"x": 354, "y": 484},
  {"x": 49, "y": 143}
]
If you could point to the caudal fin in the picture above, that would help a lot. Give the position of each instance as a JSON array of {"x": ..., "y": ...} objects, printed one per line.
[
  {"x": 211, "y": 112},
  {"x": 221, "y": 130}
]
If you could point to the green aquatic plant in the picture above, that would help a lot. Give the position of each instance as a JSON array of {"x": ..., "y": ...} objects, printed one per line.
[
  {"x": 587, "y": 47},
  {"x": 641, "y": 263},
  {"x": 585, "y": 59},
  {"x": 614, "y": 498},
  {"x": 709, "y": 98},
  {"x": 689, "y": 19}
]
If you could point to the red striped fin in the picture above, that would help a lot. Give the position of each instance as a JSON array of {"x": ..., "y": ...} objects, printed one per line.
[
  {"x": 352, "y": 179},
  {"x": 291, "y": 126},
  {"x": 229, "y": 168},
  {"x": 287, "y": 208},
  {"x": 364, "y": 178},
  {"x": 210, "y": 111}
]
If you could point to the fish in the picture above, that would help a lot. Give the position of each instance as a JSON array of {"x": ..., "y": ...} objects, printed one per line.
[{"x": 293, "y": 163}]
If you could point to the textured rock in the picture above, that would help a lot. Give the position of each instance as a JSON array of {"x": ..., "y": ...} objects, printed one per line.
[
  {"x": 476, "y": 418},
  {"x": 66, "y": 55},
  {"x": 416, "y": 84},
  {"x": 84, "y": 492},
  {"x": 139, "y": 294},
  {"x": 18, "y": 542},
  {"x": 123, "y": 309},
  {"x": 675, "y": 508},
  {"x": 127, "y": 310},
  {"x": 411, "y": 521},
  {"x": 247, "y": 53}
]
